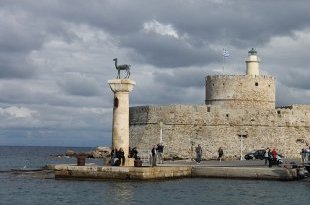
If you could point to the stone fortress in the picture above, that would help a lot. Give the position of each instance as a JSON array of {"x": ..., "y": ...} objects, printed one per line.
[{"x": 239, "y": 115}]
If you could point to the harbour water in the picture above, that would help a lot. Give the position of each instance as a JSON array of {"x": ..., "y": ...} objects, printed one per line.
[{"x": 36, "y": 189}]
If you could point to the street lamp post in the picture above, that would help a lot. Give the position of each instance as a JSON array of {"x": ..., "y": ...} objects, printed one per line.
[
  {"x": 161, "y": 132},
  {"x": 241, "y": 144}
]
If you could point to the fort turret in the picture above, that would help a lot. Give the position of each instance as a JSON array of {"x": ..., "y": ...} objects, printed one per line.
[
  {"x": 242, "y": 91},
  {"x": 252, "y": 63}
]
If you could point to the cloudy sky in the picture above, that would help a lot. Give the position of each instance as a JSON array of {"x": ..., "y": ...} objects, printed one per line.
[{"x": 56, "y": 58}]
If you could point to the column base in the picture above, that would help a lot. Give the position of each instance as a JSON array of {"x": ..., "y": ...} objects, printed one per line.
[{"x": 129, "y": 162}]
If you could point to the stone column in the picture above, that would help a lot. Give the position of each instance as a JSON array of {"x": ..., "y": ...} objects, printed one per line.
[{"x": 120, "y": 128}]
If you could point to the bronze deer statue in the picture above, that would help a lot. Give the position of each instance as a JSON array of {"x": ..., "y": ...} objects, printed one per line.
[{"x": 124, "y": 67}]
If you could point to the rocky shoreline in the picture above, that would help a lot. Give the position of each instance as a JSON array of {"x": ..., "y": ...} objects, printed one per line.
[{"x": 99, "y": 152}]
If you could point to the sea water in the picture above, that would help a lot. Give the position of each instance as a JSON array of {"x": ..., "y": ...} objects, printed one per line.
[{"x": 35, "y": 189}]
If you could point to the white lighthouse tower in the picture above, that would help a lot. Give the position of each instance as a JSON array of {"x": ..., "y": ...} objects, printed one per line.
[{"x": 252, "y": 63}]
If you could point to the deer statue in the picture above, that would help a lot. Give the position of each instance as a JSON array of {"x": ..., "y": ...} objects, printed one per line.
[{"x": 124, "y": 67}]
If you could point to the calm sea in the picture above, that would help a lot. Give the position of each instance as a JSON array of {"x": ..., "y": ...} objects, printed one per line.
[{"x": 35, "y": 189}]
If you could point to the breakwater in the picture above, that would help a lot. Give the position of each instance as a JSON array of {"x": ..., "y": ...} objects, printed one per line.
[{"x": 171, "y": 171}]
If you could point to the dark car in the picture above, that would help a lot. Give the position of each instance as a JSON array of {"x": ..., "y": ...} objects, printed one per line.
[{"x": 258, "y": 154}]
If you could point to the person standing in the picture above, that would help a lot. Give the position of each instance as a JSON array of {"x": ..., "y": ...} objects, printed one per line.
[
  {"x": 198, "y": 153},
  {"x": 221, "y": 153},
  {"x": 134, "y": 153},
  {"x": 160, "y": 151},
  {"x": 121, "y": 156},
  {"x": 306, "y": 153},
  {"x": 270, "y": 158},
  {"x": 113, "y": 156},
  {"x": 153, "y": 152},
  {"x": 274, "y": 155},
  {"x": 266, "y": 155}
]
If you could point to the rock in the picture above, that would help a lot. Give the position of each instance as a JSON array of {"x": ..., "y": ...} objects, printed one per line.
[
  {"x": 70, "y": 153},
  {"x": 103, "y": 149},
  {"x": 101, "y": 152},
  {"x": 88, "y": 154}
]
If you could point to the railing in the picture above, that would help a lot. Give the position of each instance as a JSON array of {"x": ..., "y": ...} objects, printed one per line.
[{"x": 145, "y": 157}]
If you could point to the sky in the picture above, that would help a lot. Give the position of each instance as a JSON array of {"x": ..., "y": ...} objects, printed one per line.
[{"x": 56, "y": 57}]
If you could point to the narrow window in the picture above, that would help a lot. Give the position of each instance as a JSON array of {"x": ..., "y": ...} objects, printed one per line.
[
  {"x": 208, "y": 109},
  {"x": 115, "y": 102},
  {"x": 256, "y": 84}
]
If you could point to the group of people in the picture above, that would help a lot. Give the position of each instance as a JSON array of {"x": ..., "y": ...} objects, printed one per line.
[
  {"x": 117, "y": 157},
  {"x": 271, "y": 157},
  {"x": 305, "y": 154},
  {"x": 133, "y": 153},
  {"x": 157, "y": 154},
  {"x": 198, "y": 151}
]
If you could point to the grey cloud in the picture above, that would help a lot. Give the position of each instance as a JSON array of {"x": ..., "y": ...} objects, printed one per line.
[
  {"x": 296, "y": 78},
  {"x": 163, "y": 51},
  {"x": 77, "y": 84},
  {"x": 171, "y": 87},
  {"x": 16, "y": 71},
  {"x": 239, "y": 23},
  {"x": 164, "y": 94},
  {"x": 190, "y": 77},
  {"x": 19, "y": 37},
  {"x": 16, "y": 93},
  {"x": 287, "y": 95}
]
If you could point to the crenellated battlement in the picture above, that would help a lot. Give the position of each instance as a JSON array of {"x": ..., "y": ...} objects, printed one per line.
[{"x": 238, "y": 77}]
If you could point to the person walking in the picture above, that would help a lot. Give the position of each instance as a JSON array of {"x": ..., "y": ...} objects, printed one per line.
[
  {"x": 266, "y": 155},
  {"x": 198, "y": 153},
  {"x": 221, "y": 153}
]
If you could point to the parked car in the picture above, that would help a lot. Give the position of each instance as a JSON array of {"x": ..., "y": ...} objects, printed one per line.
[
  {"x": 257, "y": 154},
  {"x": 260, "y": 154}
]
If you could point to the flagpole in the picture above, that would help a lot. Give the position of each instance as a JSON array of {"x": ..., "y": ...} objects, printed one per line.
[
  {"x": 223, "y": 61},
  {"x": 225, "y": 54}
]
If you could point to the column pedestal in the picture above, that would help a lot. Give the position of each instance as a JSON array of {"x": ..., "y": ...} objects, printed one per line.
[{"x": 120, "y": 127}]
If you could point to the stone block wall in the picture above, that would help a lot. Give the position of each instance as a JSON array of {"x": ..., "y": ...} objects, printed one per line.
[
  {"x": 240, "y": 91},
  {"x": 186, "y": 126}
]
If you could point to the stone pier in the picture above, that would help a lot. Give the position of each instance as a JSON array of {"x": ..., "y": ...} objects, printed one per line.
[
  {"x": 120, "y": 127},
  {"x": 175, "y": 171}
]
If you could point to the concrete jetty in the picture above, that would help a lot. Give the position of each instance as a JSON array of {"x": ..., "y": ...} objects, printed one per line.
[{"x": 175, "y": 170}]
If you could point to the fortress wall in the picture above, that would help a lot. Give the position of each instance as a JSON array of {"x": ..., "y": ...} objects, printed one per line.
[
  {"x": 185, "y": 126},
  {"x": 240, "y": 91}
]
